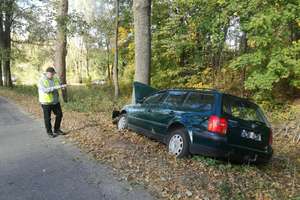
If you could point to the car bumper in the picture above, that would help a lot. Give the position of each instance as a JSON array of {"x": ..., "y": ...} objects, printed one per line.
[{"x": 214, "y": 145}]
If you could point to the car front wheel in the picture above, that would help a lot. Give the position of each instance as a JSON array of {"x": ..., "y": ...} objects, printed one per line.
[
  {"x": 122, "y": 122},
  {"x": 178, "y": 144}
]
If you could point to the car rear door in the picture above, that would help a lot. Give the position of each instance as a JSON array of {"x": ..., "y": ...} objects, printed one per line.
[{"x": 247, "y": 125}]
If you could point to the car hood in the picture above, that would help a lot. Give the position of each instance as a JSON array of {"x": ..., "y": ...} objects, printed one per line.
[{"x": 142, "y": 90}]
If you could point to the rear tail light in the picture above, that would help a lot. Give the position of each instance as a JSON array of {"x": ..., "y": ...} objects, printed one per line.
[
  {"x": 217, "y": 125},
  {"x": 271, "y": 137}
]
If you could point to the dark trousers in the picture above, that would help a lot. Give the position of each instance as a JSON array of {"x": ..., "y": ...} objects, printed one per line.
[{"x": 56, "y": 109}]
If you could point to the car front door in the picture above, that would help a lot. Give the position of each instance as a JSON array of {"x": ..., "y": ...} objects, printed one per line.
[
  {"x": 163, "y": 113},
  {"x": 141, "y": 114}
]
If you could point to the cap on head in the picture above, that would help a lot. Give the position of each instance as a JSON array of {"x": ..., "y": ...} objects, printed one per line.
[{"x": 50, "y": 69}]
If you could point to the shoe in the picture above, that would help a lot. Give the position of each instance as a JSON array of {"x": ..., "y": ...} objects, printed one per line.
[
  {"x": 50, "y": 134},
  {"x": 59, "y": 132}
]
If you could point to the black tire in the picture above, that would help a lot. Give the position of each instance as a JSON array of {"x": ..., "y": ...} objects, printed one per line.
[
  {"x": 115, "y": 116},
  {"x": 122, "y": 123},
  {"x": 179, "y": 134}
]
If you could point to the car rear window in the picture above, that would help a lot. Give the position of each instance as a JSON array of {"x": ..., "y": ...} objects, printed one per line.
[
  {"x": 243, "y": 109},
  {"x": 199, "y": 101},
  {"x": 175, "y": 98}
]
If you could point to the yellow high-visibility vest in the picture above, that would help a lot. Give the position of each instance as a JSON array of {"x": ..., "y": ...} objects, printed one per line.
[{"x": 48, "y": 97}]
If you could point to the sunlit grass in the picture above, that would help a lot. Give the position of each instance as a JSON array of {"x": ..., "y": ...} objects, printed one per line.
[
  {"x": 83, "y": 98},
  {"x": 95, "y": 99}
]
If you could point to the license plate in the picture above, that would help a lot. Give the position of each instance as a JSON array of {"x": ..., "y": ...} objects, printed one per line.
[{"x": 251, "y": 135}]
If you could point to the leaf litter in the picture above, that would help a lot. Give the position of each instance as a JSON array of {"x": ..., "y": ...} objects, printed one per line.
[{"x": 140, "y": 160}]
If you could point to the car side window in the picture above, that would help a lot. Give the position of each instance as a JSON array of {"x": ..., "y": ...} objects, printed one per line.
[
  {"x": 155, "y": 98},
  {"x": 199, "y": 101},
  {"x": 175, "y": 98}
]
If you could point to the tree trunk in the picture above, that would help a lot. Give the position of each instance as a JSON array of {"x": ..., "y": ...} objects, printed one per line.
[
  {"x": 142, "y": 28},
  {"x": 243, "y": 49},
  {"x": 1, "y": 43},
  {"x": 87, "y": 62},
  {"x": 78, "y": 72},
  {"x": 108, "y": 60},
  {"x": 217, "y": 57},
  {"x": 61, "y": 46},
  {"x": 7, "y": 57},
  {"x": 8, "y": 16},
  {"x": 142, "y": 39},
  {"x": 116, "y": 61},
  {"x": 1, "y": 77}
]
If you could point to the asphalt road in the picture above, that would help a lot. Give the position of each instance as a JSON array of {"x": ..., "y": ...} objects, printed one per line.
[{"x": 35, "y": 167}]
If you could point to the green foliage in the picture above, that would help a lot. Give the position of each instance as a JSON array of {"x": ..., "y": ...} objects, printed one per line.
[
  {"x": 248, "y": 48},
  {"x": 191, "y": 37},
  {"x": 274, "y": 50}
]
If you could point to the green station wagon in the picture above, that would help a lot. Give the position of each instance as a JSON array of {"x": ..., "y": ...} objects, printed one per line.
[{"x": 206, "y": 122}]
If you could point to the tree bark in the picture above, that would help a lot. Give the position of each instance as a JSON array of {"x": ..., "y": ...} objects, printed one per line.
[
  {"x": 142, "y": 40},
  {"x": 108, "y": 60},
  {"x": 142, "y": 29},
  {"x": 78, "y": 72},
  {"x": 7, "y": 57},
  {"x": 116, "y": 60},
  {"x": 217, "y": 57},
  {"x": 1, "y": 43},
  {"x": 61, "y": 45},
  {"x": 87, "y": 60},
  {"x": 8, "y": 16},
  {"x": 243, "y": 49}
]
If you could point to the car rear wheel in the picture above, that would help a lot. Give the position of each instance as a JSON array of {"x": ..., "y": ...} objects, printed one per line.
[
  {"x": 178, "y": 144},
  {"x": 122, "y": 122}
]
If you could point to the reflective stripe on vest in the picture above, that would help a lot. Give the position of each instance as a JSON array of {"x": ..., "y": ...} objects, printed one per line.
[{"x": 47, "y": 97}]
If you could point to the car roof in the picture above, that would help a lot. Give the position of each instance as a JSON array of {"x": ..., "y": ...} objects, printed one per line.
[
  {"x": 207, "y": 90},
  {"x": 191, "y": 90}
]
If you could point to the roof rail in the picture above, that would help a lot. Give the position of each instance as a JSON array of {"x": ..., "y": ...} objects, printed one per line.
[{"x": 205, "y": 89}]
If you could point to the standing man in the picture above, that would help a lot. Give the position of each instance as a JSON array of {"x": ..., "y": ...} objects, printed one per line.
[{"x": 48, "y": 87}]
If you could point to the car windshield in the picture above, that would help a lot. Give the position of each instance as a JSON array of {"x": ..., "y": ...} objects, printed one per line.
[{"x": 243, "y": 109}]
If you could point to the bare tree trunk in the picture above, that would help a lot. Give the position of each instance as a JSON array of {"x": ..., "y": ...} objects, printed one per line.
[
  {"x": 108, "y": 60},
  {"x": 1, "y": 77},
  {"x": 80, "y": 63},
  {"x": 8, "y": 16},
  {"x": 217, "y": 57},
  {"x": 116, "y": 61},
  {"x": 243, "y": 49},
  {"x": 61, "y": 46},
  {"x": 87, "y": 62},
  {"x": 1, "y": 43},
  {"x": 7, "y": 57},
  {"x": 142, "y": 28},
  {"x": 78, "y": 71},
  {"x": 142, "y": 39}
]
